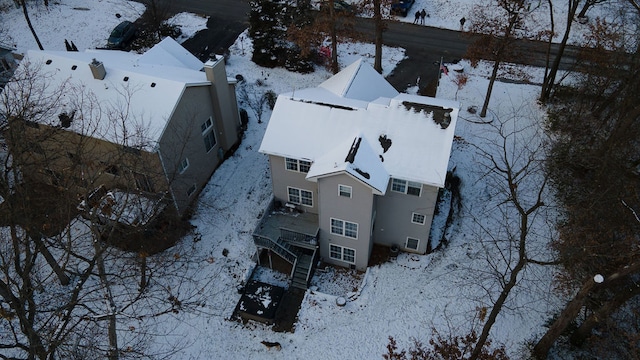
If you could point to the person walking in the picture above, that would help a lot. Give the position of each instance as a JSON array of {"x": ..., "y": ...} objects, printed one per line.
[
  {"x": 423, "y": 15},
  {"x": 417, "y": 17}
]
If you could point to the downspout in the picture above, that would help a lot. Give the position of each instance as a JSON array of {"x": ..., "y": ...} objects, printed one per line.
[{"x": 166, "y": 175}]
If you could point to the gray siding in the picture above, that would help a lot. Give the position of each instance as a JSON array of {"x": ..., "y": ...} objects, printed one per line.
[
  {"x": 394, "y": 214},
  {"x": 282, "y": 179},
  {"x": 183, "y": 138},
  {"x": 223, "y": 96},
  {"x": 357, "y": 209}
]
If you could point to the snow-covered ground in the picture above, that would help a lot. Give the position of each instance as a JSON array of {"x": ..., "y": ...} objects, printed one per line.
[{"x": 407, "y": 298}]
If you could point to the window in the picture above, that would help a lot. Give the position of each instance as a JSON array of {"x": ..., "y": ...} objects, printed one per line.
[
  {"x": 305, "y": 166},
  {"x": 297, "y": 165},
  {"x": 208, "y": 135},
  {"x": 206, "y": 125},
  {"x": 412, "y": 243},
  {"x": 344, "y": 228},
  {"x": 291, "y": 164},
  {"x": 344, "y": 190},
  {"x": 300, "y": 196},
  {"x": 399, "y": 185},
  {"x": 406, "y": 187},
  {"x": 417, "y": 218},
  {"x": 191, "y": 190},
  {"x": 414, "y": 188},
  {"x": 143, "y": 182},
  {"x": 183, "y": 165},
  {"x": 342, "y": 253}
]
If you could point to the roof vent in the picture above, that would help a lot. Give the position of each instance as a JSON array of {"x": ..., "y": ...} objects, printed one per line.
[
  {"x": 446, "y": 120},
  {"x": 97, "y": 69},
  {"x": 74, "y": 67},
  {"x": 153, "y": 84},
  {"x": 48, "y": 62},
  {"x": 126, "y": 78}
]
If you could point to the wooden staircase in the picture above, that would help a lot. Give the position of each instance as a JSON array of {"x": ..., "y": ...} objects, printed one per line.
[{"x": 302, "y": 263}]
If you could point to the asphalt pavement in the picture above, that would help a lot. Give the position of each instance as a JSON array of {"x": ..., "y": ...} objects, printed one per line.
[{"x": 425, "y": 46}]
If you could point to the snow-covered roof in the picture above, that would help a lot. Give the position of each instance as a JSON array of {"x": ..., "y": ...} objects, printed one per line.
[
  {"x": 355, "y": 157},
  {"x": 139, "y": 91},
  {"x": 410, "y": 135}
]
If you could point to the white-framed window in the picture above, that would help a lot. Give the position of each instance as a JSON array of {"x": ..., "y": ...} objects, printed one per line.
[
  {"x": 184, "y": 164},
  {"x": 406, "y": 187},
  {"x": 297, "y": 165},
  {"x": 300, "y": 196},
  {"x": 418, "y": 218},
  {"x": 208, "y": 134},
  {"x": 342, "y": 253},
  {"x": 412, "y": 243},
  {"x": 344, "y": 190},
  {"x": 344, "y": 228}
]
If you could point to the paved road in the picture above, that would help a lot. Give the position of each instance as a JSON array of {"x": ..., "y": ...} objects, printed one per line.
[{"x": 425, "y": 46}]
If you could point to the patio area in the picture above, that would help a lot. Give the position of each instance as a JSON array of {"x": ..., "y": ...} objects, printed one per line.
[{"x": 298, "y": 228}]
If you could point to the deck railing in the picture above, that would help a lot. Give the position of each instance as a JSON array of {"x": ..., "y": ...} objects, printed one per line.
[
  {"x": 298, "y": 238},
  {"x": 268, "y": 243}
]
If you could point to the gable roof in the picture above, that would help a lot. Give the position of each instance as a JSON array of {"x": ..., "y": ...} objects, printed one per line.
[
  {"x": 359, "y": 81},
  {"x": 141, "y": 90},
  {"x": 408, "y": 134},
  {"x": 355, "y": 157}
]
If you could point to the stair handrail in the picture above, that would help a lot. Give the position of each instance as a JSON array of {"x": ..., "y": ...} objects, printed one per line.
[{"x": 267, "y": 242}]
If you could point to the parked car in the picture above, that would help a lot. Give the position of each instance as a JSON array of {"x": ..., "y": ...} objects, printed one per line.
[
  {"x": 402, "y": 7},
  {"x": 121, "y": 35},
  {"x": 338, "y": 6}
]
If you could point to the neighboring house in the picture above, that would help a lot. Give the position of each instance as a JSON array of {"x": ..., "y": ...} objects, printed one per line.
[
  {"x": 8, "y": 63},
  {"x": 157, "y": 123},
  {"x": 357, "y": 163}
]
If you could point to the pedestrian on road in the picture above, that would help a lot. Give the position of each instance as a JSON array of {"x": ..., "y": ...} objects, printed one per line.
[
  {"x": 423, "y": 15},
  {"x": 417, "y": 17}
]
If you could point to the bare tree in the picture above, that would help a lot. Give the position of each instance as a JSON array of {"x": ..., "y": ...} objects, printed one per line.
[
  {"x": 515, "y": 172},
  {"x": 498, "y": 26},
  {"x": 23, "y": 3}
]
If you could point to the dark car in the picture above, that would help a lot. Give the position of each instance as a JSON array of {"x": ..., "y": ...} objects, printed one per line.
[
  {"x": 121, "y": 35},
  {"x": 338, "y": 6},
  {"x": 401, "y": 7}
]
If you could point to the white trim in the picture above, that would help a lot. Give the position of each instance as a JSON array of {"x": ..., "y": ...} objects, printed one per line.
[
  {"x": 181, "y": 167},
  {"x": 343, "y": 228},
  {"x": 299, "y": 196},
  {"x": 298, "y": 164},
  {"x": 342, "y": 255},
  {"x": 413, "y": 216},
  {"x": 407, "y": 184},
  {"x": 210, "y": 120},
  {"x": 340, "y": 190},
  {"x": 406, "y": 243}
]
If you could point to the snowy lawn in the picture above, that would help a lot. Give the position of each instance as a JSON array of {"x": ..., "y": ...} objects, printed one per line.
[{"x": 405, "y": 298}]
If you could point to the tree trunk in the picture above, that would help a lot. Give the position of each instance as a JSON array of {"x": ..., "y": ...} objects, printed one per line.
[
  {"x": 62, "y": 277},
  {"x": 584, "y": 331},
  {"x": 492, "y": 80},
  {"x": 112, "y": 353},
  {"x": 569, "y": 313},
  {"x": 377, "y": 16},
  {"x": 541, "y": 350},
  {"x": 334, "y": 39},
  {"x": 549, "y": 81},
  {"x": 33, "y": 31},
  {"x": 513, "y": 277}
]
